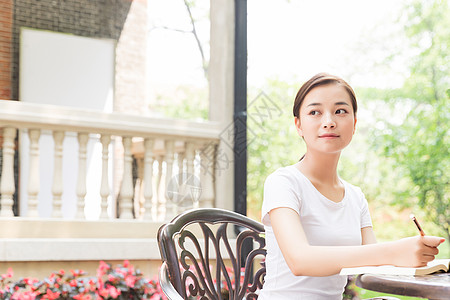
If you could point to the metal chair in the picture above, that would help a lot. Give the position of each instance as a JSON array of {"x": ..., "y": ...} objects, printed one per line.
[{"x": 201, "y": 259}]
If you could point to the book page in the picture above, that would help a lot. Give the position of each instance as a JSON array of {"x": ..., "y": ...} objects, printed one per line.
[{"x": 433, "y": 266}]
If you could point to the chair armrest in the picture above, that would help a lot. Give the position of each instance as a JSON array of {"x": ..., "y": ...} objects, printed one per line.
[{"x": 166, "y": 285}]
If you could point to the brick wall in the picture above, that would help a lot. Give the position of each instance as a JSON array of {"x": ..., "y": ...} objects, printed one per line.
[
  {"x": 125, "y": 21},
  {"x": 88, "y": 18},
  {"x": 6, "y": 24},
  {"x": 131, "y": 79}
]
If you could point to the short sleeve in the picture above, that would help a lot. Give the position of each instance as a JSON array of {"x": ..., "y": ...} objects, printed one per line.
[
  {"x": 279, "y": 191},
  {"x": 366, "y": 220}
]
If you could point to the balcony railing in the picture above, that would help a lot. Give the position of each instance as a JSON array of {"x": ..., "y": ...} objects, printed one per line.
[{"x": 139, "y": 167}]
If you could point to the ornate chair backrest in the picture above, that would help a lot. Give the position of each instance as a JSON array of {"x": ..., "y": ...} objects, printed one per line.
[{"x": 201, "y": 262}]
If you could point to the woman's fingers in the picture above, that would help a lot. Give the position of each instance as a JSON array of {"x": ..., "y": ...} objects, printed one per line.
[
  {"x": 430, "y": 250},
  {"x": 417, "y": 251},
  {"x": 432, "y": 241},
  {"x": 428, "y": 258}
]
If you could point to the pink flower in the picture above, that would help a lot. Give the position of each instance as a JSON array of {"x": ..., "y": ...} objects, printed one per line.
[
  {"x": 121, "y": 271},
  {"x": 113, "y": 291},
  {"x": 73, "y": 283},
  {"x": 126, "y": 263},
  {"x": 130, "y": 280},
  {"x": 30, "y": 281},
  {"x": 103, "y": 292},
  {"x": 82, "y": 297},
  {"x": 23, "y": 296},
  {"x": 56, "y": 285},
  {"x": 99, "y": 283},
  {"x": 102, "y": 268},
  {"x": 92, "y": 285},
  {"x": 51, "y": 295}
]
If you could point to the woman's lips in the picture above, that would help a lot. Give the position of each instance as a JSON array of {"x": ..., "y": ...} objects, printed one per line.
[{"x": 328, "y": 136}]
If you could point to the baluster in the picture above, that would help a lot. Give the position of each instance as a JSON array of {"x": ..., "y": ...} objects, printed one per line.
[
  {"x": 57, "y": 187},
  {"x": 83, "y": 139},
  {"x": 33, "y": 180},
  {"x": 169, "y": 158},
  {"x": 126, "y": 192},
  {"x": 194, "y": 189},
  {"x": 7, "y": 186},
  {"x": 181, "y": 176},
  {"x": 190, "y": 156},
  {"x": 180, "y": 160},
  {"x": 207, "y": 163},
  {"x": 138, "y": 198},
  {"x": 148, "y": 177},
  {"x": 104, "y": 186},
  {"x": 160, "y": 208}
]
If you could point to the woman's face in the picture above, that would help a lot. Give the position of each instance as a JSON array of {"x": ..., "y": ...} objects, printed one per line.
[{"x": 326, "y": 120}]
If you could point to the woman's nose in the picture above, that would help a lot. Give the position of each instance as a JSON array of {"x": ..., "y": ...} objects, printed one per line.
[{"x": 328, "y": 122}]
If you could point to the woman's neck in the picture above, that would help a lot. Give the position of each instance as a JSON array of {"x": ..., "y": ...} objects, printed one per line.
[{"x": 320, "y": 168}]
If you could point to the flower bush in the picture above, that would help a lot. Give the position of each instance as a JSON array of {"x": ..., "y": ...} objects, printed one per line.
[{"x": 120, "y": 282}]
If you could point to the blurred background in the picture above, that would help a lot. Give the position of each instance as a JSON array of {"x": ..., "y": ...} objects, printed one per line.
[
  {"x": 395, "y": 54},
  {"x": 157, "y": 76}
]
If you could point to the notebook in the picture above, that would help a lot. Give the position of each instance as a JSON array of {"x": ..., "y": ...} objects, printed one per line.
[{"x": 437, "y": 265}]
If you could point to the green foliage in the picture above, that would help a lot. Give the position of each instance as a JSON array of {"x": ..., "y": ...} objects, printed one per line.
[
  {"x": 415, "y": 137},
  {"x": 273, "y": 140},
  {"x": 183, "y": 102},
  {"x": 399, "y": 156}
]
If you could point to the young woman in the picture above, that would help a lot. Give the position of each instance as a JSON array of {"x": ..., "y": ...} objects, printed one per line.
[{"x": 316, "y": 223}]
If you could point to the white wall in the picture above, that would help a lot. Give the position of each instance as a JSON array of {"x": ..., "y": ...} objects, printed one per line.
[{"x": 67, "y": 70}]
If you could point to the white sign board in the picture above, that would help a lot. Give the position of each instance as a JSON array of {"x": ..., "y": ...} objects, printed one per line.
[{"x": 67, "y": 70}]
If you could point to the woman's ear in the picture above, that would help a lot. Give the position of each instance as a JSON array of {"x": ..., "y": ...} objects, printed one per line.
[
  {"x": 354, "y": 125},
  {"x": 298, "y": 126}
]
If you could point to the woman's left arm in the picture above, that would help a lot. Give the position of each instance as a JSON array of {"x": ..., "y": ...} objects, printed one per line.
[{"x": 368, "y": 236}]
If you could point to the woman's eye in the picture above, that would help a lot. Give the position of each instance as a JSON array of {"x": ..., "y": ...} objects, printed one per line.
[
  {"x": 341, "y": 111},
  {"x": 314, "y": 113}
]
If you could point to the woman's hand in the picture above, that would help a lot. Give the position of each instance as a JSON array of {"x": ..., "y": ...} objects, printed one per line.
[
  {"x": 415, "y": 251},
  {"x": 304, "y": 259}
]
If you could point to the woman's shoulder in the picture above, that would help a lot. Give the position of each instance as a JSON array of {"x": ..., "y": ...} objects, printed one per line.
[
  {"x": 285, "y": 174},
  {"x": 350, "y": 185},
  {"x": 353, "y": 190}
]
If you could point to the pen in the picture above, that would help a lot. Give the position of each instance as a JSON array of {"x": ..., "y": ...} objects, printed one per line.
[{"x": 417, "y": 224}]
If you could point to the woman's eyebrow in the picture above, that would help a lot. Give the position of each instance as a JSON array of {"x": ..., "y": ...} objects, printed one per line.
[
  {"x": 342, "y": 103},
  {"x": 319, "y": 104}
]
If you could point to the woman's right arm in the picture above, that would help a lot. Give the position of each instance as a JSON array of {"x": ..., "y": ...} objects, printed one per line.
[{"x": 304, "y": 259}]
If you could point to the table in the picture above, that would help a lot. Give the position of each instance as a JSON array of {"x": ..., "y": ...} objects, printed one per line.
[{"x": 434, "y": 286}]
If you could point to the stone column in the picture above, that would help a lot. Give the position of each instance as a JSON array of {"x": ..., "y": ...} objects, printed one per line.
[{"x": 221, "y": 101}]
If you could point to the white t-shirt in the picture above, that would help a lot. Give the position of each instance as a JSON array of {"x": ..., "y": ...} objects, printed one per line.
[{"x": 326, "y": 223}]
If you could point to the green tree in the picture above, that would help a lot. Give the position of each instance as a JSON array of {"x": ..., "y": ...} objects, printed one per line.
[
  {"x": 416, "y": 137},
  {"x": 271, "y": 136}
]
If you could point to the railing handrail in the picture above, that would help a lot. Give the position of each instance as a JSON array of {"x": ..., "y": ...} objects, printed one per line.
[{"x": 45, "y": 116}]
